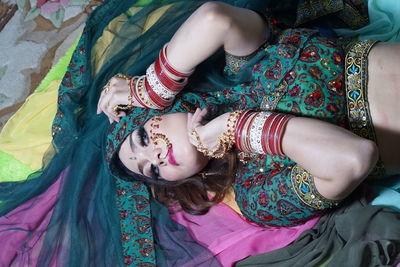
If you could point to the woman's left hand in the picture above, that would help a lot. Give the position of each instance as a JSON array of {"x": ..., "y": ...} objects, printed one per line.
[{"x": 115, "y": 93}]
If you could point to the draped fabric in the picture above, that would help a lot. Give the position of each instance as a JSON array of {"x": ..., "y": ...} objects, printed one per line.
[
  {"x": 84, "y": 226},
  {"x": 384, "y": 22},
  {"x": 73, "y": 201},
  {"x": 356, "y": 234}
]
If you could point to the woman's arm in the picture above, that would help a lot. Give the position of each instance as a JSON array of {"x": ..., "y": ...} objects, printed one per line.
[
  {"x": 338, "y": 159},
  {"x": 240, "y": 31}
]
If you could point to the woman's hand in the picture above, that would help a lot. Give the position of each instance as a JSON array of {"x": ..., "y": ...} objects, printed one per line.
[
  {"x": 115, "y": 93},
  {"x": 208, "y": 133}
]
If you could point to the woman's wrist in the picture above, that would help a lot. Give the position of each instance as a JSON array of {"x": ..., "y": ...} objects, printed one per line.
[{"x": 261, "y": 132}]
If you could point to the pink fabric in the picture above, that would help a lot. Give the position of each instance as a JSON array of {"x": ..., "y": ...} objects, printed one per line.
[
  {"x": 22, "y": 231},
  {"x": 231, "y": 238},
  {"x": 50, "y": 6}
]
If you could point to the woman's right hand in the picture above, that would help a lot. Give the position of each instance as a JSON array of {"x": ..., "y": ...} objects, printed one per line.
[
  {"x": 208, "y": 131},
  {"x": 116, "y": 92}
]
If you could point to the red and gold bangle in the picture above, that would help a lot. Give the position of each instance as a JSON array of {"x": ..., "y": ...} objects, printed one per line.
[
  {"x": 158, "y": 86},
  {"x": 168, "y": 82},
  {"x": 239, "y": 128},
  {"x": 142, "y": 94},
  {"x": 261, "y": 132},
  {"x": 156, "y": 98},
  {"x": 177, "y": 75}
]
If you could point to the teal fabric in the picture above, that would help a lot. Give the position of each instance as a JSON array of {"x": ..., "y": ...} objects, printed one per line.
[
  {"x": 387, "y": 192},
  {"x": 88, "y": 226},
  {"x": 384, "y": 22},
  {"x": 280, "y": 81},
  {"x": 85, "y": 226},
  {"x": 302, "y": 74}
]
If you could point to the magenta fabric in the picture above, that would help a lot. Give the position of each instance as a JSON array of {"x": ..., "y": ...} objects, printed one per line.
[
  {"x": 22, "y": 231},
  {"x": 231, "y": 238}
]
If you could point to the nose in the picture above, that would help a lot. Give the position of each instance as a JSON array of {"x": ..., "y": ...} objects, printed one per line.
[{"x": 154, "y": 155}]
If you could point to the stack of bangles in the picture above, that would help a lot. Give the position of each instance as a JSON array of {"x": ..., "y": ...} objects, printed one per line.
[
  {"x": 261, "y": 132},
  {"x": 251, "y": 132},
  {"x": 158, "y": 88}
]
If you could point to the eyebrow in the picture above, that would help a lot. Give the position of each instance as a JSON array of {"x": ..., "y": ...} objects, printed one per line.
[{"x": 140, "y": 166}]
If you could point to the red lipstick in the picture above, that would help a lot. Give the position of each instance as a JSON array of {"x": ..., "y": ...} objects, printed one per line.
[{"x": 171, "y": 158}]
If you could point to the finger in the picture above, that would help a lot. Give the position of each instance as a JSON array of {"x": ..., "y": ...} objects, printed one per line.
[
  {"x": 105, "y": 109},
  {"x": 103, "y": 101},
  {"x": 112, "y": 113},
  {"x": 99, "y": 102},
  {"x": 203, "y": 113},
  {"x": 195, "y": 115},
  {"x": 121, "y": 114},
  {"x": 189, "y": 121},
  {"x": 106, "y": 105},
  {"x": 197, "y": 118}
]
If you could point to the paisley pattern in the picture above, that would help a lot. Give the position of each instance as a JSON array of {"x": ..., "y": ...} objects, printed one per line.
[
  {"x": 292, "y": 76},
  {"x": 307, "y": 81},
  {"x": 136, "y": 232}
]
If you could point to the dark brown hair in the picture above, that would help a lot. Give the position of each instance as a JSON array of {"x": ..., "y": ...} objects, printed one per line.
[{"x": 195, "y": 194}]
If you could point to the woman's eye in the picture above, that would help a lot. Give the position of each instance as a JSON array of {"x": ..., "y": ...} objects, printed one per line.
[
  {"x": 143, "y": 137},
  {"x": 155, "y": 171}
]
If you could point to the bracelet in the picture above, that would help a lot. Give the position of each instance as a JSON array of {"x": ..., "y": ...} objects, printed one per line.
[
  {"x": 261, "y": 132},
  {"x": 225, "y": 141},
  {"x": 128, "y": 80},
  {"x": 158, "y": 88}
]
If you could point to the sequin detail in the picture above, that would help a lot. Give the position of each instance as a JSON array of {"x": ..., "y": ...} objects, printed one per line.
[
  {"x": 304, "y": 187},
  {"x": 356, "y": 70}
]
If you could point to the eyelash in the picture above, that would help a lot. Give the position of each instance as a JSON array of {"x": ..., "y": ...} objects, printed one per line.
[
  {"x": 143, "y": 137},
  {"x": 144, "y": 141}
]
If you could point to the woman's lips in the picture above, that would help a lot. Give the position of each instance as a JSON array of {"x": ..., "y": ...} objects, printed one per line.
[{"x": 171, "y": 158}]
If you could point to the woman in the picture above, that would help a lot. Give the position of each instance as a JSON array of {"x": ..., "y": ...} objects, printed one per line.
[
  {"x": 73, "y": 212},
  {"x": 319, "y": 164}
]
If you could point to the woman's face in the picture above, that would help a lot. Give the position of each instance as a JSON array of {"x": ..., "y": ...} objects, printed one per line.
[{"x": 161, "y": 149}]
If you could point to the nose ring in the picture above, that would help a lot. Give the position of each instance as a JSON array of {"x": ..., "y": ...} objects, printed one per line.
[{"x": 159, "y": 137}]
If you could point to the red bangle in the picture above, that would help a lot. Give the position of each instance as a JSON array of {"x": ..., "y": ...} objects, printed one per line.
[
  {"x": 164, "y": 61},
  {"x": 265, "y": 131},
  {"x": 239, "y": 128},
  {"x": 281, "y": 127},
  {"x": 155, "y": 97},
  {"x": 166, "y": 80},
  {"x": 272, "y": 133},
  {"x": 261, "y": 132}
]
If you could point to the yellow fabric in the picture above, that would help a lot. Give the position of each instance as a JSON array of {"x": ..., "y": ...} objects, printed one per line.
[
  {"x": 27, "y": 134},
  {"x": 100, "y": 50}
]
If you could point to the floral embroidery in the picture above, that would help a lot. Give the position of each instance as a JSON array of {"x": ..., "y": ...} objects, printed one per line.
[
  {"x": 356, "y": 91},
  {"x": 304, "y": 187},
  {"x": 309, "y": 10}
]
